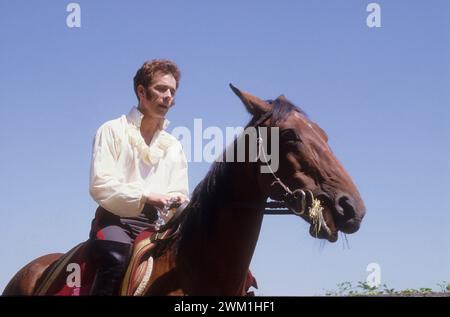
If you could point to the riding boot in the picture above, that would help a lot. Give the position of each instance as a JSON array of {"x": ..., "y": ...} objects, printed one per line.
[{"x": 111, "y": 259}]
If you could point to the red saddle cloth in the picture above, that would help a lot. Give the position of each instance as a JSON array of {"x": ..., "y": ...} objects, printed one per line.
[{"x": 73, "y": 274}]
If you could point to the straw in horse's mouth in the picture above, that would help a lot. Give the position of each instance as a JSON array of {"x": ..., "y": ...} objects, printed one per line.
[{"x": 316, "y": 213}]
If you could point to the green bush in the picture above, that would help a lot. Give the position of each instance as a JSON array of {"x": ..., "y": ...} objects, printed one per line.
[{"x": 364, "y": 289}]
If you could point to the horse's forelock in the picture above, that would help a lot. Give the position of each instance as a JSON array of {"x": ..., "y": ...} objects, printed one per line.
[{"x": 281, "y": 110}]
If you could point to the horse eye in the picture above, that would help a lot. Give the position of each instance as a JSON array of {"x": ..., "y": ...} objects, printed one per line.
[{"x": 289, "y": 135}]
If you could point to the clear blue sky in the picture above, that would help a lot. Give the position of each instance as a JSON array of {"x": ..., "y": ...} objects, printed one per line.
[{"x": 382, "y": 94}]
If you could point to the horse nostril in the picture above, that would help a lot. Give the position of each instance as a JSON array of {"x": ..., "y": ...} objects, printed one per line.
[{"x": 345, "y": 208}]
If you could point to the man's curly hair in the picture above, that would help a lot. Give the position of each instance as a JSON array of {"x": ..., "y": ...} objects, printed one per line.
[{"x": 144, "y": 75}]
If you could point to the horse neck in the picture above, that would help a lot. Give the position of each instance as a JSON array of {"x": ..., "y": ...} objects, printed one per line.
[{"x": 223, "y": 257}]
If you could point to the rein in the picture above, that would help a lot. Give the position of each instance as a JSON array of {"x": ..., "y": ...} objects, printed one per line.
[{"x": 294, "y": 202}]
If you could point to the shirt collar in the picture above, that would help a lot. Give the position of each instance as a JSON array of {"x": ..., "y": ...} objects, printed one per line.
[{"x": 135, "y": 118}]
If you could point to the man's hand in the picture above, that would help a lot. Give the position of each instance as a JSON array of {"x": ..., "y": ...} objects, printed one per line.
[
  {"x": 179, "y": 198},
  {"x": 158, "y": 200}
]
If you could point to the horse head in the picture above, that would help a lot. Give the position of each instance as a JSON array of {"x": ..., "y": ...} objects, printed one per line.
[{"x": 310, "y": 180}]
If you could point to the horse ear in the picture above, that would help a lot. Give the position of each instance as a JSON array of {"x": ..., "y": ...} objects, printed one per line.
[
  {"x": 253, "y": 104},
  {"x": 282, "y": 98}
]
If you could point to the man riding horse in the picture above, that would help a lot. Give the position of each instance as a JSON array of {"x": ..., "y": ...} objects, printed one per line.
[{"x": 136, "y": 166}]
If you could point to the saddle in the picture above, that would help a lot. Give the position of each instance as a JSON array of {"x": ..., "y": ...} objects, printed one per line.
[{"x": 73, "y": 274}]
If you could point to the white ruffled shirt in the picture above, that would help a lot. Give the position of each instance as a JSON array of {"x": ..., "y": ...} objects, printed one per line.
[{"x": 124, "y": 169}]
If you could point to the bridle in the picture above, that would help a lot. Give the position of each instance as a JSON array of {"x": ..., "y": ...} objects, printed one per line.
[{"x": 296, "y": 201}]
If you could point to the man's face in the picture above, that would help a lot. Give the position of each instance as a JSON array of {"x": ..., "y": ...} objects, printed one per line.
[{"x": 158, "y": 97}]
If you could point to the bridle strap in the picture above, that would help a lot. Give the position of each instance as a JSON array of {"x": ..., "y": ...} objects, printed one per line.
[
  {"x": 290, "y": 195},
  {"x": 263, "y": 118},
  {"x": 288, "y": 192},
  {"x": 277, "y": 179}
]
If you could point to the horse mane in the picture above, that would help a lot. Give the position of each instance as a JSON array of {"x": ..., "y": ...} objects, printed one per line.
[{"x": 210, "y": 193}]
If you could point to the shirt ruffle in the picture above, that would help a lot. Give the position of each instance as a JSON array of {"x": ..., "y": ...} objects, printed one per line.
[{"x": 150, "y": 154}]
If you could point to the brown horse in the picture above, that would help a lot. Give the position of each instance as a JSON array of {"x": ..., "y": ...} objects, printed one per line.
[{"x": 220, "y": 226}]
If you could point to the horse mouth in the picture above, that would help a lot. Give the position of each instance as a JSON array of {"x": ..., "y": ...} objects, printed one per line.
[
  {"x": 316, "y": 210},
  {"x": 322, "y": 224}
]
